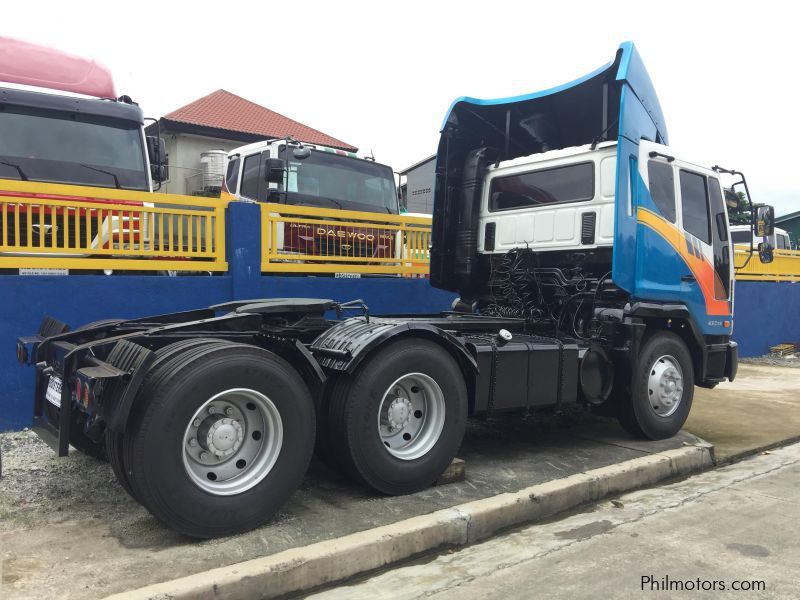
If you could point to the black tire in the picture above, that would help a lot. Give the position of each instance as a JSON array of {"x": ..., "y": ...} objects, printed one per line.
[
  {"x": 637, "y": 415},
  {"x": 356, "y": 443},
  {"x": 324, "y": 449},
  {"x": 115, "y": 441},
  {"x": 154, "y": 442}
]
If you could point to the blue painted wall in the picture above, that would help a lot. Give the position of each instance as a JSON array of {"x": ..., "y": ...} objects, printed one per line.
[
  {"x": 765, "y": 313},
  {"x": 24, "y": 301}
]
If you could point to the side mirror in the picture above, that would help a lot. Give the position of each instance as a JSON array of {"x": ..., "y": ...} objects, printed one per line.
[
  {"x": 765, "y": 252},
  {"x": 157, "y": 155},
  {"x": 274, "y": 169},
  {"x": 765, "y": 221}
]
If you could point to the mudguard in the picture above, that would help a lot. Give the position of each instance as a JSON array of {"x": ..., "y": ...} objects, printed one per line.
[{"x": 344, "y": 346}]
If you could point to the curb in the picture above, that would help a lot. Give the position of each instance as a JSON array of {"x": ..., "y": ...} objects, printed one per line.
[{"x": 324, "y": 563}]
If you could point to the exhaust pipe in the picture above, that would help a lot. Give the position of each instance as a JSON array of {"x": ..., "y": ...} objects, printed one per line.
[{"x": 466, "y": 250}]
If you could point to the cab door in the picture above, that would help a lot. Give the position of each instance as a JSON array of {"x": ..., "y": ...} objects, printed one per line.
[{"x": 683, "y": 246}]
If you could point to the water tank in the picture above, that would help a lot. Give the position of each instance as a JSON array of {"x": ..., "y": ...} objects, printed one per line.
[{"x": 212, "y": 163}]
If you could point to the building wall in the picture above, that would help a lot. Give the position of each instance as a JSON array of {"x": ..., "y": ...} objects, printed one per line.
[
  {"x": 419, "y": 188},
  {"x": 184, "y": 159},
  {"x": 793, "y": 227}
]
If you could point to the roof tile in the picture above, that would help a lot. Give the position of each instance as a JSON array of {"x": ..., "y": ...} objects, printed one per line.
[{"x": 223, "y": 110}]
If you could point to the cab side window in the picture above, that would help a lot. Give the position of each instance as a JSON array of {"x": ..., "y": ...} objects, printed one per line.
[
  {"x": 250, "y": 176},
  {"x": 232, "y": 175},
  {"x": 694, "y": 203},
  {"x": 662, "y": 187}
]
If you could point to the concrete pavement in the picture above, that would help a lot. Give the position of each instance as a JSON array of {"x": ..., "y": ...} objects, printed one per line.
[
  {"x": 735, "y": 526},
  {"x": 759, "y": 409}
]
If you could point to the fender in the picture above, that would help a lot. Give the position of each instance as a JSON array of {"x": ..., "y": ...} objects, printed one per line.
[
  {"x": 344, "y": 346},
  {"x": 707, "y": 353}
]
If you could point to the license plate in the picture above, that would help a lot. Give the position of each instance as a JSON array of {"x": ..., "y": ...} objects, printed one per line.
[
  {"x": 53, "y": 394},
  {"x": 347, "y": 275}
]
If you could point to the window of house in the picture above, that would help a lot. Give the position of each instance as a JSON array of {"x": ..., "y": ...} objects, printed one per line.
[
  {"x": 570, "y": 183},
  {"x": 662, "y": 187}
]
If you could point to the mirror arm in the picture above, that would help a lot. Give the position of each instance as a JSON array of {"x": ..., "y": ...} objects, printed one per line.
[{"x": 734, "y": 172}]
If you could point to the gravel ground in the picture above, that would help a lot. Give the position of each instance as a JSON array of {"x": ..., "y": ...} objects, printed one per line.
[
  {"x": 36, "y": 482},
  {"x": 792, "y": 360}
]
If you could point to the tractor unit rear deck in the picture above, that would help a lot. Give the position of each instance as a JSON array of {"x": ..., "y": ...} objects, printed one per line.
[{"x": 592, "y": 264}]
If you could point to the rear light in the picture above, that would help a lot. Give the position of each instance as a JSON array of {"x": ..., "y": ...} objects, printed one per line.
[
  {"x": 78, "y": 390},
  {"x": 87, "y": 396}
]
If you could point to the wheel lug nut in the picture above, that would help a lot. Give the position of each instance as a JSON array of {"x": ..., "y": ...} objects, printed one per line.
[
  {"x": 193, "y": 442},
  {"x": 204, "y": 456},
  {"x": 211, "y": 409},
  {"x": 196, "y": 423},
  {"x": 229, "y": 411}
]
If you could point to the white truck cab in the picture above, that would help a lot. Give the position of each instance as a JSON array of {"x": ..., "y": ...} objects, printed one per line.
[
  {"x": 557, "y": 200},
  {"x": 313, "y": 175},
  {"x": 742, "y": 234}
]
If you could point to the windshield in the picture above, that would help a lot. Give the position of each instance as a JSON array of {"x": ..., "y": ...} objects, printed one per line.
[
  {"x": 741, "y": 237},
  {"x": 329, "y": 179},
  {"x": 71, "y": 148}
]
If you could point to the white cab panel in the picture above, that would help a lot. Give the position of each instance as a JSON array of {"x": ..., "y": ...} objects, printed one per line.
[{"x": 555, "y": 226}]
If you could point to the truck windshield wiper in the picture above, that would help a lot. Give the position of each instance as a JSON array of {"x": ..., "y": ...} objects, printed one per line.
[
  {"x": 22, "y": 175},
  {"x": 116, "y": 179}
]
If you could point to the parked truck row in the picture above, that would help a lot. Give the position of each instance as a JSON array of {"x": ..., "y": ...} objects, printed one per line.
[
  {"x": 593, "y": 266},
  {"x": 91, "y": 137}
]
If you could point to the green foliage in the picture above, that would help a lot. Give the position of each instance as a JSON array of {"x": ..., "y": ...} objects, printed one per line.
[{"x": 740, "y": 214}]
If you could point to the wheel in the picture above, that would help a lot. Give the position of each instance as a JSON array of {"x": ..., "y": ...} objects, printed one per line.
[
  {"x": 114, "y": 440},
  {"x": 222, "y": 439},
  {"x": 397, "y": 423},
  {"x": 662, "y": 388}
]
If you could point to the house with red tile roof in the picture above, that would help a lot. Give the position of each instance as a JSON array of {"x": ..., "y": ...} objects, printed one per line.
[{"x": 223, "y": 121}]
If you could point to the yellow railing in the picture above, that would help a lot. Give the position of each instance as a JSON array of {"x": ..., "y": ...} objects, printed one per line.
[
  {"x": 75, "y": 227},
  {"x": 301, "y": 239},
  {"x": 784, "y": 267}
]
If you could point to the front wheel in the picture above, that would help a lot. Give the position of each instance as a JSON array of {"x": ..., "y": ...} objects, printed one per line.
[
  {"x": 397, "y": 423},
  {"x": 662, "y": 388}
]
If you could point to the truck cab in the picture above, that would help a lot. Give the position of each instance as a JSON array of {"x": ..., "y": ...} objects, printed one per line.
[
  {"x": 63, "y": 123},
  {"x": 298, "y": 174},
  {"x": 743, "y": 234}
]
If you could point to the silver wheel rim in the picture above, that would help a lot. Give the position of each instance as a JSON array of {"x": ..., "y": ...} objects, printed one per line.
[
  {"x": 665, "y": 385},
  {"x": 232, "y": 442},
  {"x": 411, "y": 416}
]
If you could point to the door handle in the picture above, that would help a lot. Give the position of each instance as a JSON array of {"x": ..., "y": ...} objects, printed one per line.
[{"x": 688, "y": 278}]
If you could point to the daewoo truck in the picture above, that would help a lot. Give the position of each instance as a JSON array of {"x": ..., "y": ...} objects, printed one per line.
[
  {"x": 301, "y": 174},
  {"x": 593, "y": 265},
  {"x": 85, "y": 137}
]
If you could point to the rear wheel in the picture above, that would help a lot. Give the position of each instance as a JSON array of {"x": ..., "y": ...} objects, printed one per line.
[
  {"x": 397, "y": 423},
  {"x": 662, "y": 388},
  {"x": 222, "y": 441},
  {"x": 114, "y": 440}
]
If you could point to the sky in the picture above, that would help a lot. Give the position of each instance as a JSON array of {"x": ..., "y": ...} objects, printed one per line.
[{"x": 380, "y": 75}]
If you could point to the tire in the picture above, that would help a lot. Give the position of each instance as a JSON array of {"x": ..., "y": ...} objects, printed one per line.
[
  {"x": 323, "y": 446},
  {"x": 166, "y": 475},
  {"x": 115, "y": 440},
  {"x": 361, "y": 442},
  {"x": 653, "y": 410}
]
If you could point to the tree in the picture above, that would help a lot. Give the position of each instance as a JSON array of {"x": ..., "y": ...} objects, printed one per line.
[{"x": 739, "y": 214}]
